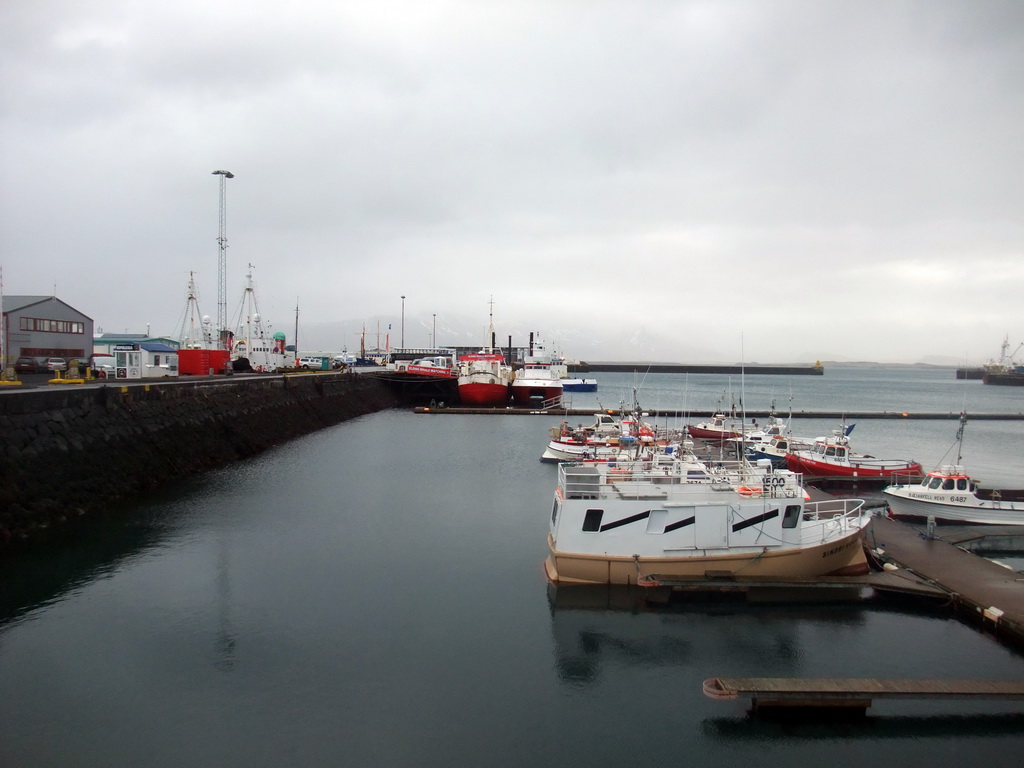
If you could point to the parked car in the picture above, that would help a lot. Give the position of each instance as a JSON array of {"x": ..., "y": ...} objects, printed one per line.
[
  {"x": 26, "y": 365},
  {"x": 311, "y": 363},
  {"x": 56, "y": 364},
  {"x": 102, "y": 366}
]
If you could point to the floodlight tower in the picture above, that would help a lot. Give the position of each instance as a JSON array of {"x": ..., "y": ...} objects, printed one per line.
[{"x": 222, "y": 263}]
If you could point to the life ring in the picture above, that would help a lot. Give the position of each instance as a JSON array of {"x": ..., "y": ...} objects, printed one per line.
[{"x": 746, "y": 490}]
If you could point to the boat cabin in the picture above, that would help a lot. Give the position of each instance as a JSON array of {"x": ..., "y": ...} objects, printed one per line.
[{"x": 948, "y": 479}]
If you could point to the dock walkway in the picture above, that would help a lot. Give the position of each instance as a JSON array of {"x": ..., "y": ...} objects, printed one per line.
[
  {"x": 858, "y": 693},
  {"x": 980, "y": 589}
]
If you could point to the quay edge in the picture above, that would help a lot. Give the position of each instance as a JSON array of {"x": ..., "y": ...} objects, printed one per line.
[{"x": 71, "y": 452}]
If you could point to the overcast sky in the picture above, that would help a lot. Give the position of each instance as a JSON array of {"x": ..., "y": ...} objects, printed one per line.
[{"x": 673, "y": 181}]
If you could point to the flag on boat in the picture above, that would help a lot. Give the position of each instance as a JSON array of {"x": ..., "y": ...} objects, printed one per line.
[{"x": 849, "y": 429}]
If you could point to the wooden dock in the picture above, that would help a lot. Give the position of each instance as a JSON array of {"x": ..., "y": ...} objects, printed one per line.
[
  {"x": 981, "y": 591},
  {"x": 854, "y": 692}
]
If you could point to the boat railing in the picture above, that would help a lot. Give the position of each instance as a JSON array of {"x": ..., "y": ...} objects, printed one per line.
[
  {"x": 870, "y": 462},
  {"x": 905, "y": 478},
  {"x": 825, "y": 520},
  {"x": 662, "y": 477}
]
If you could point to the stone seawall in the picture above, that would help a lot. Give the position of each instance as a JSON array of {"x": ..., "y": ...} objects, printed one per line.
[{"x": 70, "y": 451}]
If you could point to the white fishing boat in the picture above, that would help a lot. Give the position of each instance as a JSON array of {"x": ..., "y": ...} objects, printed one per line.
[
  {"x": 676, "y": 517},
  {"x": 253, "y": 346},
  {"x": 771, "y": 442},
  {"x": 950, "y": 495},
  {"x": 539, "y": 381}
]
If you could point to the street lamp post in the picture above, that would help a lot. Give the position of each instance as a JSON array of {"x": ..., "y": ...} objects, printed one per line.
[
  {"x": 433, "y": 333},
  {"x": 403, "y": 321},
  {"x": 222, "y": 262}
]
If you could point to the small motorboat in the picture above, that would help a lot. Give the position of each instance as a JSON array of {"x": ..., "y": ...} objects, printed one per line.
[{"x": 950, "y": 495}]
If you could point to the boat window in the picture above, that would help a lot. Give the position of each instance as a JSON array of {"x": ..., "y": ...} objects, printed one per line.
[
  {"x": 961, "y": 483},
  {"x": 792, "y": 516},
  {"x": 592, "y": 521},
  {"x": 830, "y": 451},
  {"x": 554, "y": 512},
  {"x": 656, "y": 521},
  {"x": 947, "y": 484},
  {"x": 935, "y": 484},
  {"x": 840, "y": 452}
]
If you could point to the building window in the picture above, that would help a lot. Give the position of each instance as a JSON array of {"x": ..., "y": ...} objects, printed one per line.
[{"x": 42, "y": 325}]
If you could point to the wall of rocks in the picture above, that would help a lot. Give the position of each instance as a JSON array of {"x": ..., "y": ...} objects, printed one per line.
[{"x": 70, "y": 451}]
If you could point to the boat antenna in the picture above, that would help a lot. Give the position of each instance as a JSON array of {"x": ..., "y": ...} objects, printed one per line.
[
  {"x": 490, "y": 327},
  {"x": 960, "y": 437}
]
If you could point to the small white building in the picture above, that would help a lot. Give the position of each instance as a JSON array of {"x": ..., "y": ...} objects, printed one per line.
[{"x": 144, "y": 360}]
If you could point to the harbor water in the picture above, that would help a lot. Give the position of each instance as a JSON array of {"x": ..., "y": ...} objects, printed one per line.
[{"x": 373, "y": 594}]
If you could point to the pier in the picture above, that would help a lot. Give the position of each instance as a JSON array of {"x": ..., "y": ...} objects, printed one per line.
[
  {"x": 854, "y": 693},
  {"x": 981, "y": 592}
]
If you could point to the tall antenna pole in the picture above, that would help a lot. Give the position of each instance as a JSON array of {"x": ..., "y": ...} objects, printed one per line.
[
  {"x": 3, "y": 329},
  {"x": 222, "y": 263}
]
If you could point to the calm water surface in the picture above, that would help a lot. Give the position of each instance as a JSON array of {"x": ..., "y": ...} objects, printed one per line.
[{"x": 373, "y": 594}]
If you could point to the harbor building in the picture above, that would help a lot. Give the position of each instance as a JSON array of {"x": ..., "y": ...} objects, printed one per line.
[{"x": 42, "y": 327}]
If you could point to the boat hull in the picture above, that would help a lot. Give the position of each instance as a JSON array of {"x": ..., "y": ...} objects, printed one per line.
[
  {"x": 943, "y": 511},
  {"x": 528, "y": 392},
  {"x": 579, "y": 385},
  {"x": 864, "y": 470},
  {"x": 484, "y": 394},
  {"x": 840, "y": 557}
]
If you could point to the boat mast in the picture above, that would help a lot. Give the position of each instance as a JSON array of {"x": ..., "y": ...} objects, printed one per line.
[
  {"x": 489, "y": 345},
  {"x": 188, "y": 335},
  {"x": 960, "y": 437}
]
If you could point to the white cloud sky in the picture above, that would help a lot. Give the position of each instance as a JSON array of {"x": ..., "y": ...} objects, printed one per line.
[{"x": 656, "y": 180}]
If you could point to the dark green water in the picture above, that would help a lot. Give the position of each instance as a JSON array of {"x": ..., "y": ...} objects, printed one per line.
[{"x": 373, "y": 595}]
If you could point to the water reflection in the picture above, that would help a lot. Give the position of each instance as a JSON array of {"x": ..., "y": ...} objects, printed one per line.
[
  {"x": 770, "y": 728},
  {"x": 598, "y": 627}
]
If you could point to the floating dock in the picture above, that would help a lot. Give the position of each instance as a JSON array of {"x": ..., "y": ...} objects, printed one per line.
[
  {"x": 853, "y": 692},
  {"x": 981, "y": 592}
]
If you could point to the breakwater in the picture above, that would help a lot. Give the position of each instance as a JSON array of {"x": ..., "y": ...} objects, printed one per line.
[
  {"x": 68, "y": 452},
  {"x": 752, "y": 370}
]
